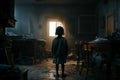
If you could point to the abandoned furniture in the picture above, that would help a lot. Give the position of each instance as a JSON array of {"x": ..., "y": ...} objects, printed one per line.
[{"x": 9, "y": 72}]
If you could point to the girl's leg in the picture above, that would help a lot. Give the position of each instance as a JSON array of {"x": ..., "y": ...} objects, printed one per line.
[
  {"x": 57, "y": 68},
  {"x": 62, "y": 67}
]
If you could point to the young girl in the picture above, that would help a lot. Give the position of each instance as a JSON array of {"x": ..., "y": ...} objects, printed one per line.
[{"x": 59, "y": 50}]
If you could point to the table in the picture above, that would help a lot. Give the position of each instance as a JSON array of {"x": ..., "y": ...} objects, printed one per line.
[{"x": 111, "y": 50}]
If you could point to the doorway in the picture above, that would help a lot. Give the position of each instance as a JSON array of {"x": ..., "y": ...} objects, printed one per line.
[{"x": 110, "y": 24}]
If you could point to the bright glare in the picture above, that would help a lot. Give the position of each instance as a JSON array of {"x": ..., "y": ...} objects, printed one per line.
[{"x": 53, "y": 26}]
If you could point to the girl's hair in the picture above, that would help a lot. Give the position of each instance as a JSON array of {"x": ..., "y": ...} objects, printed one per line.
[{"x": 59, "y": 30}]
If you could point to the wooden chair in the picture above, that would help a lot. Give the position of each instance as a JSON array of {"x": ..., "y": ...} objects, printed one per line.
[{"x": 85, "y": 61}]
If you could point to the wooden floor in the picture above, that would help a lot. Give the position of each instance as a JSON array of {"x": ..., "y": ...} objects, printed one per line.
[{"x": 46, "y": 71}]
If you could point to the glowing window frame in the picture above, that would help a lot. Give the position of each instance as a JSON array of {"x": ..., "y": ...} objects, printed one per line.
[{"x": 52, "y": 27}]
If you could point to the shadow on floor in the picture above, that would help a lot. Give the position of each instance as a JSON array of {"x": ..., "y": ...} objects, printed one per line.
[{"x": 46, "y": 71}]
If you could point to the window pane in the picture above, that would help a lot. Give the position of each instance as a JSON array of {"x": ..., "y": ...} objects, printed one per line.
[{"x": 52, "y": 28}]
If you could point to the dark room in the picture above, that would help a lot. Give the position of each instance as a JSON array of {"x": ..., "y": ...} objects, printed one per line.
[{"x": 59, "y": 39}]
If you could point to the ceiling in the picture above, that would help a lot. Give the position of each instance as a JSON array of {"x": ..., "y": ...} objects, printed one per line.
[{"x": 80, "y": 2}]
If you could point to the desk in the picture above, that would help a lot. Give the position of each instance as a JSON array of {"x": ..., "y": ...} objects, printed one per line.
[
  {"x": 112, "y": 47},
  {"x": 101, "y": 45},
  {"x": 99, "y": 42},
  {"x": 26, "y": 51}
]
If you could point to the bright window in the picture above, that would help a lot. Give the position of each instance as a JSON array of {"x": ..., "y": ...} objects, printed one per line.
[{"x": 52, "y": 27}]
